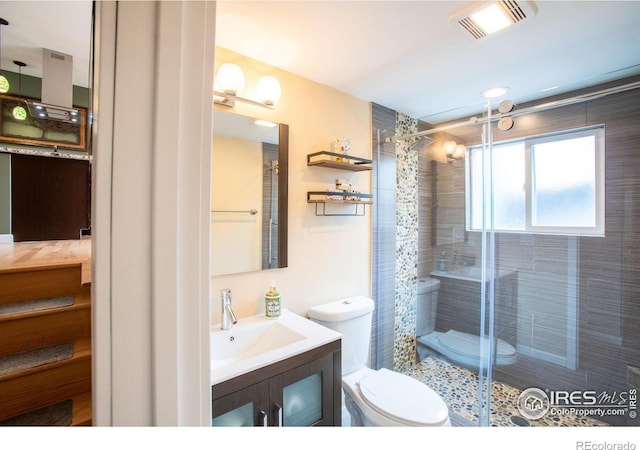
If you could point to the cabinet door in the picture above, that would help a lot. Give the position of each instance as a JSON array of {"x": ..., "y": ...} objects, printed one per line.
[
  {"x": 50, "y": 198},
  {"x": 248, "y": 407},
  {"x": 303, "y": 396}
]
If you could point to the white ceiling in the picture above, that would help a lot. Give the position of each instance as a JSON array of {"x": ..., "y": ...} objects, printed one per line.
[
  {"x": 62, "y": 26},
  {"x": 407, "y": 56},
  {"x": 401, "y": 54}
]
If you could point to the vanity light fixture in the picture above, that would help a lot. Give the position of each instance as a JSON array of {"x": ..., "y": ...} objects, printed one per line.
[
  {"x": 230, "y": 78},
  {"x": 268, "y": 90},
  {"x": 4, "y": 82},
  {"x": 454, "y": 151},
  {"x": 229, "y": 81}
]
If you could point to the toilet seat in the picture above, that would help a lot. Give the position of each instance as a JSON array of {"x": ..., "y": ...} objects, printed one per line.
[{"x": 403, "y": 399}]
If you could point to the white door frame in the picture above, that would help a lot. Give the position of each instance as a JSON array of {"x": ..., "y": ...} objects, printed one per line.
[{"x": 153, "y": 85}]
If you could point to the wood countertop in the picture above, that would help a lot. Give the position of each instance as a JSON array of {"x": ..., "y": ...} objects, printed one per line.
[{"x": 37, "y": 254}]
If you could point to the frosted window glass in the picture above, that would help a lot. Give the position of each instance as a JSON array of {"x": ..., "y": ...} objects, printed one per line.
[
  {"x": 303, "y": 401},
  {"x": 564, "y": 191},
  {"x": 548, "y": 184}
]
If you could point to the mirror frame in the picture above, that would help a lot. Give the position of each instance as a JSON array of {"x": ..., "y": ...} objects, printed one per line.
[{"x": 283, "y": 195}]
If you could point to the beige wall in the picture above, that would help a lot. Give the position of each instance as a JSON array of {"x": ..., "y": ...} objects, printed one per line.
[{"x": 329, "y": 257}]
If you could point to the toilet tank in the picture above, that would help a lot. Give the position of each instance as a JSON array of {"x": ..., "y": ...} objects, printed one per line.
[
  {"x": 352, "y": 318},
  {"x": 426, "y": 307}
]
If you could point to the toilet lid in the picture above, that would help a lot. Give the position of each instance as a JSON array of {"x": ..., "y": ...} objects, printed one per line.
[
  {"x": 403, "y": 399},
  {"x": 469, "y": 344}
]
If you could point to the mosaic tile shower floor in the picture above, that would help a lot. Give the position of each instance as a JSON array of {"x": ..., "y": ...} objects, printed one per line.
[{"x": 458, "y": 387}]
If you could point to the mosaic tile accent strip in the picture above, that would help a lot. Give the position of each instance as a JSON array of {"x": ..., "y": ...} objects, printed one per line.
[
  {"x": 404, "y": 341},
  {"x": 458, "y": 387}
]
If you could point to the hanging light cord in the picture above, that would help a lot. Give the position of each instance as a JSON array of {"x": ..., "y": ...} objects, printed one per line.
[{"x": 20, "y": 65}]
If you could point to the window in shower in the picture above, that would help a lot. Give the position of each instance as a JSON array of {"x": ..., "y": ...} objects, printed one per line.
[{"x": 552, "y": 184}]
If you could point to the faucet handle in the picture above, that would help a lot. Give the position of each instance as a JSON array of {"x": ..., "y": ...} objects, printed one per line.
[{"x": 228, "y": 317}]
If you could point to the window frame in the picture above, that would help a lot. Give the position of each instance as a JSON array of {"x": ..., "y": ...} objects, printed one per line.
[{"x": 597, "y": 131}]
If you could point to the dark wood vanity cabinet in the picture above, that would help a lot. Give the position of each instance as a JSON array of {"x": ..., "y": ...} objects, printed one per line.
[{"x": 304, "y": 390}]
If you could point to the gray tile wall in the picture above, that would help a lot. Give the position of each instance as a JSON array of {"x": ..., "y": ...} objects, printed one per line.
[{"x": 384, "y": 236}]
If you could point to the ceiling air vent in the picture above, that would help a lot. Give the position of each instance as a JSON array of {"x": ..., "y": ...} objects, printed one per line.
[{"x": 480, "y": 19}]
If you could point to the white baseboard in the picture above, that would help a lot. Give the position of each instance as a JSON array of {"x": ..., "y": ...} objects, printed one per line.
[{"x": 6, "y": 238}]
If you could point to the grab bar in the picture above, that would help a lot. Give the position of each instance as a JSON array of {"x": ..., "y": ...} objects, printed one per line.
[{"x": 253, "y": 212}]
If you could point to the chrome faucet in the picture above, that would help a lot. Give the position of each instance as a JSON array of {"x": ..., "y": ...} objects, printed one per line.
[{"x": 228, "y": 316}]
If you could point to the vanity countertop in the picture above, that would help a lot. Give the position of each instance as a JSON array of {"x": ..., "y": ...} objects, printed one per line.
[{"x": 256, "y": 342}]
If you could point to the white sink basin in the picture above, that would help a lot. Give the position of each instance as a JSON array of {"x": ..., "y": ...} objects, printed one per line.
[
  {"x": 256, "y": 342},
  {"x": 250, "y": 339}
]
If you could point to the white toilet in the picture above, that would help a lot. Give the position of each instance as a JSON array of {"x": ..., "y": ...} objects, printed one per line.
[
  {"x": 376, "y": 397},
  {"x": 458, "y": 347}
]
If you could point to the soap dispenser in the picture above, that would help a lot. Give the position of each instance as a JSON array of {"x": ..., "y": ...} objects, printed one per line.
[{"x": 272, "y": 305}]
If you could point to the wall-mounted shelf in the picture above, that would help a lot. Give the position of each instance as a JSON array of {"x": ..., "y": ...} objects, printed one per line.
[
  {"x": 322, "y": 198},
  {"x": 339, "y": 161}
]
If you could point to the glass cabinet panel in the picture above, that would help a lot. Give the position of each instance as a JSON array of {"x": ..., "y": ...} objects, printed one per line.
[
  {"x": 302, "y": 401},
  {"x": 239, "y": 417}
]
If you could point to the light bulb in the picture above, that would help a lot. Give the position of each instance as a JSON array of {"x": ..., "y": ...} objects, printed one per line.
[
  {"x": 4, "y": 84},
  {"x": 449, "y": 146},
  {"x": 230, "y": 78},
  {"x": 495, "y": 92},
  {"x": 19, "y": 113},
  {"x": 491, "y": 19},
  {"x": 268, "y": 90}
]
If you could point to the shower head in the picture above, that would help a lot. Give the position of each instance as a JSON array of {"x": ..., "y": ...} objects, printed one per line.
[{"x": 421, "y": 143}]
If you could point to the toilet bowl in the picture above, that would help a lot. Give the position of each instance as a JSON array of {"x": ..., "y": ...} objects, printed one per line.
[
  {"x": 376, "y": 397},
  {"x": 461, "y": 348}
]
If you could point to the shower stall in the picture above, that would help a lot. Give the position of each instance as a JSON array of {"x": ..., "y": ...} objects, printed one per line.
[{"x": 506, "y": 253}]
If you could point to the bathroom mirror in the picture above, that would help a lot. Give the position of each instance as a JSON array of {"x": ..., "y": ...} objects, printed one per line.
[{"x": 249, "y": 190}]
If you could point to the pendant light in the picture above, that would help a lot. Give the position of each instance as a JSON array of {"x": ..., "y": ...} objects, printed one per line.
[
  {"x": 4, "y": 83},
  {"x": 19, "y": 111}
]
